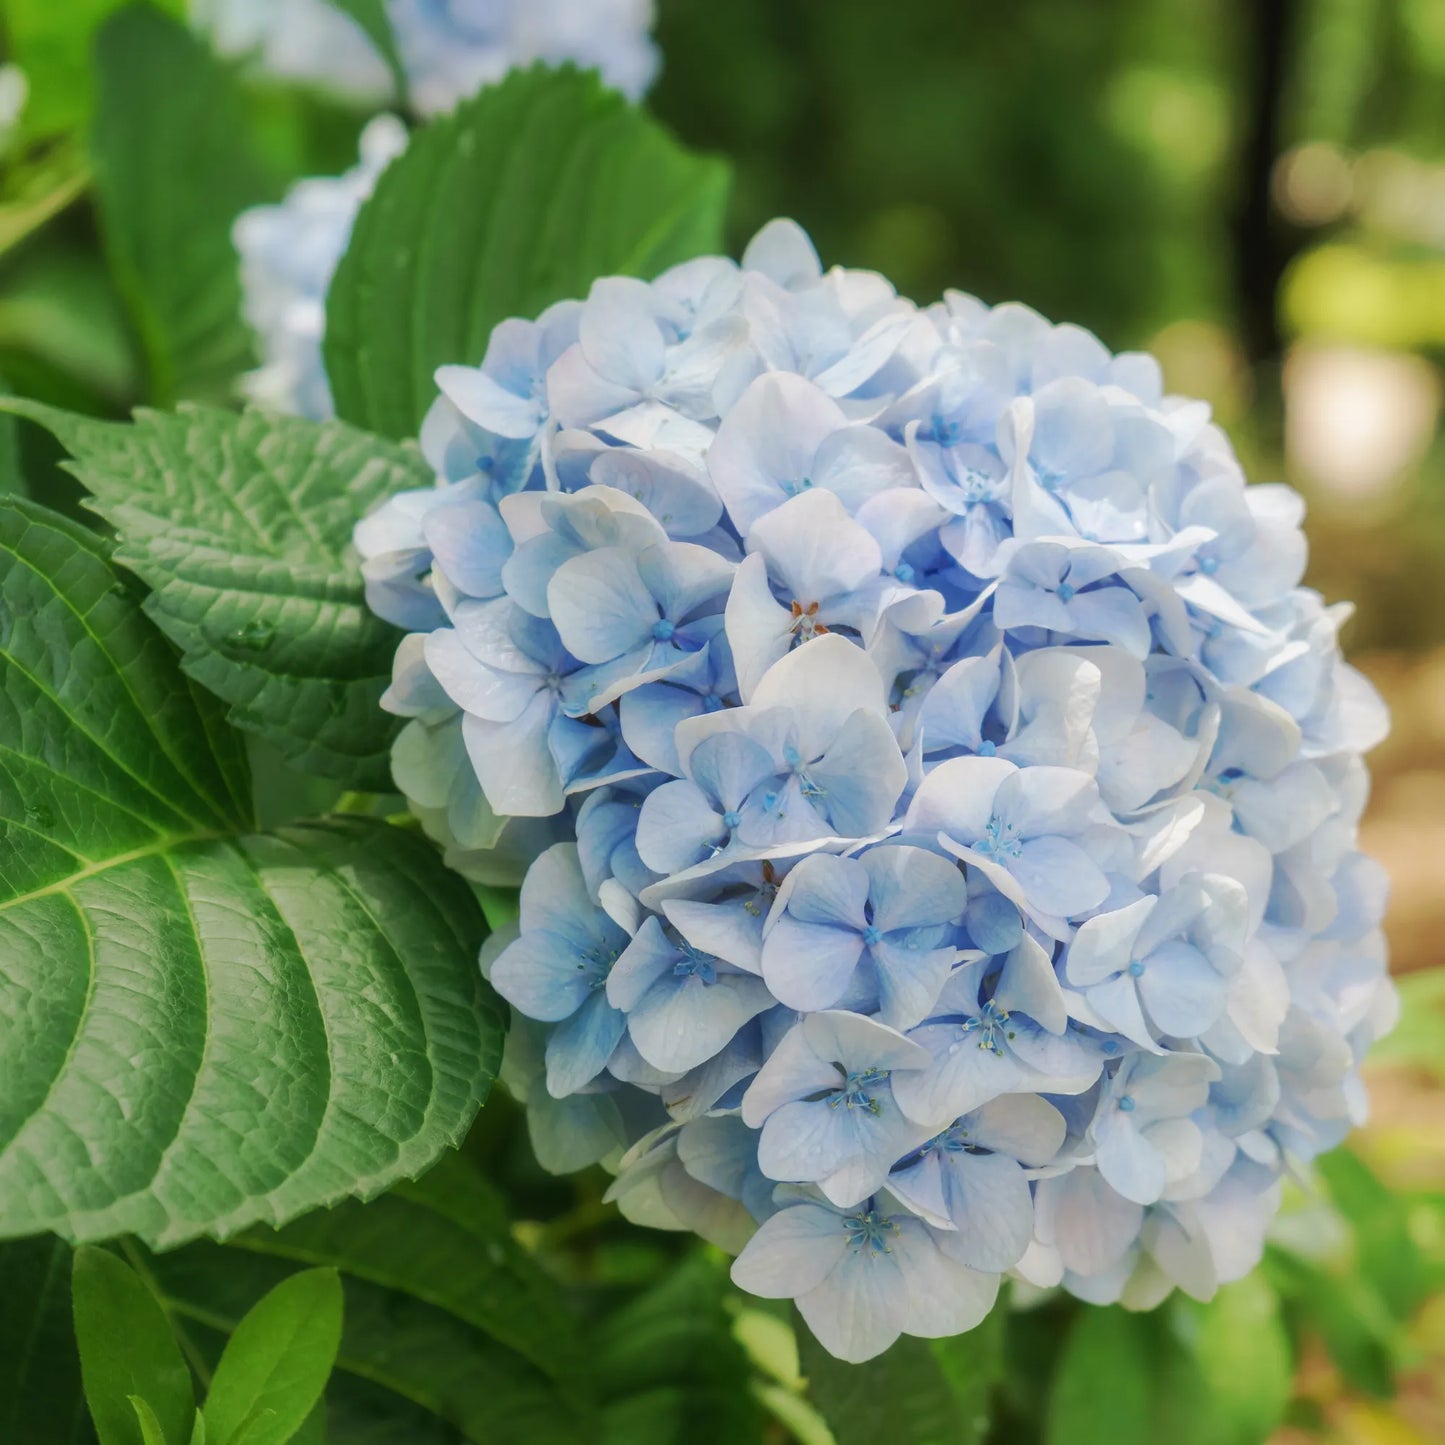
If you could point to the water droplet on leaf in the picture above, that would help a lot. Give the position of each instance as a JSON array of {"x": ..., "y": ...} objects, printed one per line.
[{"x": 255, "y": 636}]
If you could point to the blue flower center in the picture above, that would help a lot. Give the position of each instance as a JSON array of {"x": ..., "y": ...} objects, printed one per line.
[
  {"x": 596, "y": 963},
  {"x": 986, "y": 749},
  {"x": 871, "y": 1231},
  {"x": 1126, "y": 1103},
  {"x": 695, "y": 964},
  {"x": 976, "y": 486},
  {"x": 872, "y": 936},
  {"x": 1000, "y": 839},
  {"x": 662, "y": 630},
  {"x": 1136, "y": 969},
  {"x": 794, "y": 759},
  {"x": 793, "y": 488},
  {"x": 946, "y": 431},
  {"x": 988, "y": 1025},
  {"x": 953, "y": 1140},
  {"x": 903, "y": 572},
  {"x": 1066, "y": 593},
  {"x": 854, "y": 1091},
  {"x": 731, "y": 818},
  {"x": 1209, "y": 565}
]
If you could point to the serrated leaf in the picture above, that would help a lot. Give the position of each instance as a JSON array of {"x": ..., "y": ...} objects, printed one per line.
[
  {"x": 173, "y": 168},
  {"x": 277, "y": 1362},
  {"x": 40, "y": 1394},
  {"x": 523, "y": 195},
  {"x": 219, "y": 1026},
  {"x": 371, "y": 17},
  {"x": 127, "y": 1351},
  {"x": 241, "y": 526},
  {"x": 917, "y": 1392}
]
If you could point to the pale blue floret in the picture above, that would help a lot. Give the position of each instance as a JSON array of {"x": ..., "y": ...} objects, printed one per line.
[{"x": 558, "y": 970}]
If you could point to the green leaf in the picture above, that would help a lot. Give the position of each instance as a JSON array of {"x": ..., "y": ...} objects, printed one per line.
[
  {"x": 371, "y": 17},
  {"x": 1359, "y": 1333},
  {"x": 220, "y": 1027},
  {"x": 312, "y": 1430},
  {"x": 127, "y": 1350},
  {"x": 150, "y": 1427},
  {"x": 670, "y": 1369},
  {"x": 51, "y": 44},
  {"x": 1237, "y": 1347},
  {"x": 173, "y": 168},
  {"x": 1387, "y": 1257},
  {"x": 277, "y": 1362},
  {"x": 918, "y": 1392},
  {"x": 449, "y": 1325},
  {"x": 241, "y": 526},
  {"x": 1100, "y": 1394},
  {"x": 40, "y": 1394},
  {"x": 523, "y": 195}
]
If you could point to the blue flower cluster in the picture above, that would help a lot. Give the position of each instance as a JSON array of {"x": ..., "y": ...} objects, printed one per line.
[
  {"x": 448, "y": 48},
  {"x": 289, "y": 253},
  {"x": 937, "y": 796}
]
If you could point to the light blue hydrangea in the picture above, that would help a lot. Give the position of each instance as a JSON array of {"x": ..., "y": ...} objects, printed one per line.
[
  {"x": 288, "y": 255},
  {"x": 942, "y": 793},
  {"x": 449, "y": 50}
]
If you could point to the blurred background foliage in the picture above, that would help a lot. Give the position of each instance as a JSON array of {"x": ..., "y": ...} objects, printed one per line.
[{"x": 1254, "y": 190}]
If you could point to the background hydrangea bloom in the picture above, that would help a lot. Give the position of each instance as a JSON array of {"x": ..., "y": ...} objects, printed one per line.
[
  {"x": 449, "y": 50},
  {"x": 960, "y": 785}
]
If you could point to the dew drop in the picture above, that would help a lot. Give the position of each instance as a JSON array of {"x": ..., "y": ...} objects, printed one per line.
[{"x": 255, "y": 636}]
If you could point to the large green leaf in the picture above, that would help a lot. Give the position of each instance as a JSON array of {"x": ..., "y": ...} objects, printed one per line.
[
  {"x": 203, "y": 1027},
  {"x": 917, "y": 1392},
  {"x": 40, "y": 1394},
  {"x": 241, "y": 527},
  {"x": 524, "y": 195},
  {"x": 451, "y": 1331},
  {"x": 173, "y": 168}
]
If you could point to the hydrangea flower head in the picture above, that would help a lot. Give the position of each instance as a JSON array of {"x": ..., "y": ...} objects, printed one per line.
[{"x": 935, "y": 792}]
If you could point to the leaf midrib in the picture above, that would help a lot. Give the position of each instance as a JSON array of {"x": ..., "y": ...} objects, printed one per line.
[{"x": 160, "y": 847}]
